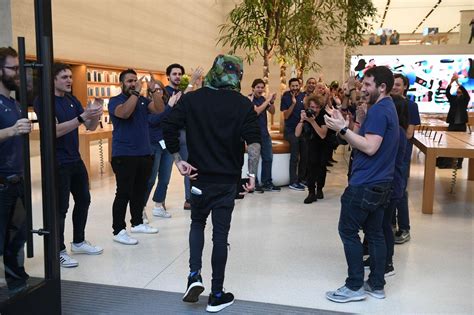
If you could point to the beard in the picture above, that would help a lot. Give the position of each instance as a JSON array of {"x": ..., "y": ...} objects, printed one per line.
[{"x": 10, "y": 83}]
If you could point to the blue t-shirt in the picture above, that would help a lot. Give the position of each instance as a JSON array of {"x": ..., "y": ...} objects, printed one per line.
[
  {"x": 399, "y": 176},
  {"x": 130, "y": 136},
  {"x": 382, "y": 120},
  {"x": 262, "y": 117},
  {"x": 154, "y": 125},
  {"x": 292, "y": 121},
  {"x": 171, "y": 90},
  {"x": 67, "y": 146},
  {"x": 11, "y": 157}
]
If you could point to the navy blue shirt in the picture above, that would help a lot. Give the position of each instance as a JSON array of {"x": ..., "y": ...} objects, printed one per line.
[
  {"x": 171, "y": 90},
  {"x": 11, "y": 157},
  {"x": 67, "y": 146},
  {"x": 293, "y": 120},
  {"x": 130, "y": 136},
  {"x": 382, "y": 120},
  {"x": 399, "y": 177},
  {"x": 262, "y": 117},
  {"x": 154, "y": 125},
  {"x": 413, "y": 113}
]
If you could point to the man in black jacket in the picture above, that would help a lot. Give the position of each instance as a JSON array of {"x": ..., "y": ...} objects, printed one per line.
[{"x": 217, "y": 118}]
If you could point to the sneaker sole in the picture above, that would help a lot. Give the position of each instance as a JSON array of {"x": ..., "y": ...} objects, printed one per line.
[
  {"x": 160, "y": 216},
  {"x": 87, "y": 253},
  {"x": 218, "y": 308},
  {"x": 353, "y": 299},
  {"x": 144, "y": 232},
  {"x": 70, "y": 266},
  {"x": 375, "y": 295},
  {"x": 124, "y": 243},
  {"x": 402, "y": 241},
  {"x": 389, "y": 274},
  {"x": 193, "y": 292},
  {"x": 297, "y": 189}
]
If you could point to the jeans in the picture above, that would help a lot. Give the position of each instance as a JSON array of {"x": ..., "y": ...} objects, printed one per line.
[
  {"x": 13, "y": 234},
  {"x": 362, "y": 207},
  {"x": 131, "y": 176},
  {"x": 401, "y": 214},
  {"x": 295, "y": 150},
  {"x": 183, "y": 152},
  {"x": 162, "y": 166},
  {"x": 73, "y": 180},
  {"x": 267, "y": 160},
  {"x": 220, "y": 199},
  {"x": 317, "y": 161}
]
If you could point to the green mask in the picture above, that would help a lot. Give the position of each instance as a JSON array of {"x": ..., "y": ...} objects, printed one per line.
[{"x": 226, "y": 73}]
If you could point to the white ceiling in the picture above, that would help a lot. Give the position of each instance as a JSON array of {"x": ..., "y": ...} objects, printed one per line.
[{"x": 405, "y": 15}]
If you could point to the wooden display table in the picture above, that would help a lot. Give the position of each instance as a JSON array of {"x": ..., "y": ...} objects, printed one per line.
[
  {"x": 433, "y": 124},
  {"x": 452, "y": 144},
  {"x": 85, "y": 138}
]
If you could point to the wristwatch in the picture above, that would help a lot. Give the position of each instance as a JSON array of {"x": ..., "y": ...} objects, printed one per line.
[
  {"x": 343, "y": 131},
  {"x": 80, "y": 119}
]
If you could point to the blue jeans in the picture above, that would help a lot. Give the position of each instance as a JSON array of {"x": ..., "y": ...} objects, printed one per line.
[
  {"x": 295, "y": 153},
  {"x": 162, "y": 166},
  {"x": 266, "y": 154},
  {"x": 13, "y": 233},
  {"x": 402, "y": 214},
  {"x": 183, "y": 152},
  {"x": 362, "y": 207},
  {"x": 218, "y": 199}
]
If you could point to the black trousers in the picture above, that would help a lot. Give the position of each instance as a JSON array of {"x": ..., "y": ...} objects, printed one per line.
[
  {"x": 445, "y": 162},
  {"x": 318, "y": 155},
  {"x": 217, "y": 199},
  {"x": 13, "y": 233},
  {"x": 73, "y": 180},
  {"x": 131, "y": 175}
]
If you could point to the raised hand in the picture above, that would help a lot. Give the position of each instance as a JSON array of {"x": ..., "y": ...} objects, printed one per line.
[
  {"x": 174, "y": 98},
  {"x": 150, "y": 84},
  {"x": 293, "y": 98},
  {"x": 197, "y": 74},
  {"x": 273, "y": 97},
  {"x": 138, "y": 84}
]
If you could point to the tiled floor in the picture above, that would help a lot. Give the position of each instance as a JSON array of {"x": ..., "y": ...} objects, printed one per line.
[{"x": 285, "y": 252}]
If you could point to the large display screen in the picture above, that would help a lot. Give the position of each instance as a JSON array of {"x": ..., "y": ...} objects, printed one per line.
[{"x": 429, "y": 76}]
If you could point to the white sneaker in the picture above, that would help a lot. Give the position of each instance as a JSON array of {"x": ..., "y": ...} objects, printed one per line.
[
  {"x": 86, "y": 248},
  {"x": 160, "y": 212},
  {"x": 144, "y": 228},
  {"x": 124, "y": 238},
  {"x": 66, "y": 261},
  {"x": 145, "y": 217}
]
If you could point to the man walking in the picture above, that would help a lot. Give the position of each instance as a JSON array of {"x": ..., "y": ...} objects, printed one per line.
[{"x": 216, "y": 117}]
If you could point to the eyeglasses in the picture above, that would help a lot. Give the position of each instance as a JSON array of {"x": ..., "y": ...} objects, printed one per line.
[{"x": 13, "y": 68}]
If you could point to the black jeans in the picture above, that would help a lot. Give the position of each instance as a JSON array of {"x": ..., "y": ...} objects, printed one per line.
[
  {"x": 131, "y": 176},
  {"x": 296, "y": 145},
  {"x": 13, "y": 233},
  {"x": 218, "y": 198},
  {"x": 362, "y": 207},
  {"x": 73, "y": 180},
  {"x": 317, "y": 162}
]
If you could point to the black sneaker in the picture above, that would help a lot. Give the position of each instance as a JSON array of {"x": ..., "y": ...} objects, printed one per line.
[
  {"x": 216, "y": 304},
  {"x": 195, "y": 288},
  {"x": 389, "y": 270},
  {"x": 367, "y": 263},
  {"x": 271, "y": 188},
  {"x": 319, "y": 194}
]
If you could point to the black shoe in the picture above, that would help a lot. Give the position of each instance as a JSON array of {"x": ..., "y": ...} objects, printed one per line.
[
  {"x": 260, "y": 189},
  {"x": 216, "y": 304},
  {"x": 271, "y": 188},
  {"x": 319, "y": 194},
  {"x": 389, "y": 270},
  {"x": 367, "y": 263},
  {"x": 311, "y": 198},
  {"x": 195, "y": 288}
]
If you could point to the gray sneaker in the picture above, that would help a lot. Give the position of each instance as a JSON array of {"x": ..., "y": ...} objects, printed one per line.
[
  {"x": 402, "y": 236},
  {"x": 378, "y": 294},
  {"x": 344, "y": 295}
]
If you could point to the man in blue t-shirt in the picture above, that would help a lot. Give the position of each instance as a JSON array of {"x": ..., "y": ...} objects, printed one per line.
[
  {"x": 400, "y": 87},
  {"x": 262, "y": 106},
  {"x": 174, "y": 73},
  {"x": 72, "y": 173},
  {"x": 12, "y": 217},
  {"x": 370, "y": 183},
  {"x": 291, "y": 107},
  {"x": 132, "y": 159}
]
